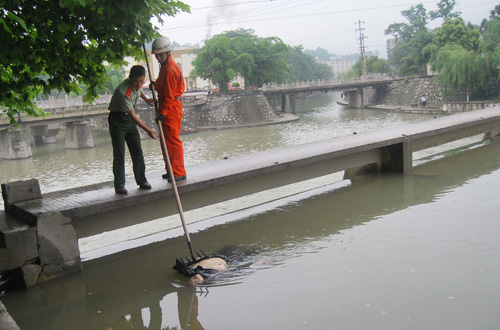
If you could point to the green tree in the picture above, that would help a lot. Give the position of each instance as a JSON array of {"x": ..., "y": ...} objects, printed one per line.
[
  {"x": 270, "y": 61},
  {"x": 490, "y": 36},
  {"x": 257, "y": 60},
  {"x": 303, "y": 66},
  {"x": 68, "y": 42},
  {"x": 461, "y": 68},
  {"x": 377, "y": 65},
  {"x": 455, "y": 31},
  {"x": 215, "y": 61},
  {"x": 417, "y": 21},
  {"x": 374, "y": 64},
  {"x": 408, "y": 56},
  {"x": 445, "y": 10}
]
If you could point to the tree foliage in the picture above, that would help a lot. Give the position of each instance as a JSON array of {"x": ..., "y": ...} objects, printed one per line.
[
  {"x": 417, "y": 21},
  {"x": 445, "y": 10},
  {"x": 454, "y": 31},
  {"x": 462, "y": 68},
  {"x": 215, "y": 61},
  {"x": 50, "y": 45},
  {"x": 303, "y": 66},
  {"x": 257, "y": 60},
  {"x": 374, "y": 64},
  {"x": 464, "y": 56}
]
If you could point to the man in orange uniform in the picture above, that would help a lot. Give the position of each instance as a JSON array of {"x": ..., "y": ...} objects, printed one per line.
[{"x": 170, "y": 86}]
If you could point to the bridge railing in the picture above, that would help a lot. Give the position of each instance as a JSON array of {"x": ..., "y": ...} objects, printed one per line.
[
  {"x": 70, "y": 102},
  {"x": 325, "y": 83}
]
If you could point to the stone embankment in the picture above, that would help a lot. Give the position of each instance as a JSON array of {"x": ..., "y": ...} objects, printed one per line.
[
  {"x": 409, "y": 93},
  {"x": 231, "y": 111},
  {"x": 405, "y": 96}
]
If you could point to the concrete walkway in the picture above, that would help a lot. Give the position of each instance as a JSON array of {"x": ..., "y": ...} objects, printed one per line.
[
  {"x": 397, "y": 108},
  {"x": 282, "y": 118},
  {"x": 405, "y": 109}
]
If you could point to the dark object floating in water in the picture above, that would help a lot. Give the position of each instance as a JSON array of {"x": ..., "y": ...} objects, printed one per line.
[{"x": 188, "y": 268}]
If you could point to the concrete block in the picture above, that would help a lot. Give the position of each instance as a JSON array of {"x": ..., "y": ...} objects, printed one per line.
[
  {"x": 20, "y": 191},
  {"x": 58, "y": 245},
  {"x": 19, "y": 246},
  {"x": 31, "y": 274}
]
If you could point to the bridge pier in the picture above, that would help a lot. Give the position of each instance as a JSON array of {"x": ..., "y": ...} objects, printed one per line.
[
  {"x": 79, "y": 135},
  {"x": 288, "y": 103},
  {"x": 15, "y": 144},
  {"x": 45, "y": 133},
  {"x": 356, "y": 99}
]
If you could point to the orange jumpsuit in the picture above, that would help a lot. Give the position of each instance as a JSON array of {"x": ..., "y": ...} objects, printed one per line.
[{"x": 170, "y": 86}]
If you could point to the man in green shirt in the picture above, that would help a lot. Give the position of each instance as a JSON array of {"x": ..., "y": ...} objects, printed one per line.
[{"x": 123, "y": 123}]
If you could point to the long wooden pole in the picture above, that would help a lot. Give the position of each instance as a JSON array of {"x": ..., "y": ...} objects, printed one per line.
[{"x": 165, "y": 152}]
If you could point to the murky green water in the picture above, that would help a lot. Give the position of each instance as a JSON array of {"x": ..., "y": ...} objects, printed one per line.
[{"x": 416, "y": 251}]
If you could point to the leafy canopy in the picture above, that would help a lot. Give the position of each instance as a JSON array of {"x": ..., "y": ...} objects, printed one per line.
[
  {"x": 50, "y": 45},
  {"x": 258, "y": 60}
]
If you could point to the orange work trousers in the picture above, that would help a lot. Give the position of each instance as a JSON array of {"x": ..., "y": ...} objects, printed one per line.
[{"x": 171, "y": 130}]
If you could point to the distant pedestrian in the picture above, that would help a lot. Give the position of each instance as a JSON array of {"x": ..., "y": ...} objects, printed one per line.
[
  {"x": 170, "y": 87},
  {"x": 123, "y": 122},
  {"x": 424, "y": 101}
]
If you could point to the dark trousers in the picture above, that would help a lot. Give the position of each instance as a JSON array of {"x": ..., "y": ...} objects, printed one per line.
[{"x": 123, "y": 129}]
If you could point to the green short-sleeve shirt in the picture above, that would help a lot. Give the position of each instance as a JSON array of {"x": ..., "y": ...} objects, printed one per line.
[{"x": 124, "y": 98}]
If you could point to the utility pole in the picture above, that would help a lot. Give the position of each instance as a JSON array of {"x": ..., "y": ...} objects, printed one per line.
[{"x": 362, "y": 46}]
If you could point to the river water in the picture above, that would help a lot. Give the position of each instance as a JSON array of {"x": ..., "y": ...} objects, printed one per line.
[{"x": 391, "y": 251}]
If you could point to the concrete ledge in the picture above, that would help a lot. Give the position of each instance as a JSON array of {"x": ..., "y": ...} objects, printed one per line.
[
  {"x": 19, "y": 191},
  {"x": 64, "y": 216},
  {"x": 6, "y": 321}
]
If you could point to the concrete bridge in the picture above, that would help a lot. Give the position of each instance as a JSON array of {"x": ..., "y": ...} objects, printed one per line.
[
  {"x": 353, "y": 87},
  {"x": 14, "y": 140},
  {"x": 39, "y": 236}
]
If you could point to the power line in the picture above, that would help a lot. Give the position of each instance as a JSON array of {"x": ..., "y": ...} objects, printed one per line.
[
  {"x": 248, "y": 13},
  {"x": 188, "y": 26},
  {"x": 233, "y": 4}
]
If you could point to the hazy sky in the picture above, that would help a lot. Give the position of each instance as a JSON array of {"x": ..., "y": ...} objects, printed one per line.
[{"x": 327, "y": 24}]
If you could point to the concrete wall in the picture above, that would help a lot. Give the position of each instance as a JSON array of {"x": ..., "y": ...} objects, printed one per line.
[
  {"x": 455, "y": 107},
  {"x": 228, "y": 109}
]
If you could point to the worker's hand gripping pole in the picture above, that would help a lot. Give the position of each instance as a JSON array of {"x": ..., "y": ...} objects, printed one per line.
[{"x": 165, "y": 152}]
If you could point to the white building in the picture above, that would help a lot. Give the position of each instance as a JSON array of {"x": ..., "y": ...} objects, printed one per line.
[{"x": 340, "y": 65}]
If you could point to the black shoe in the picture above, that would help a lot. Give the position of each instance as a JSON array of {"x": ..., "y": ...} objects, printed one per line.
[
  {"x": 177, "y": 178},
  {"x": 145, "y": 185},
  {"x": 166, "y": 176},
  {"x": 120, "y": 190}
]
